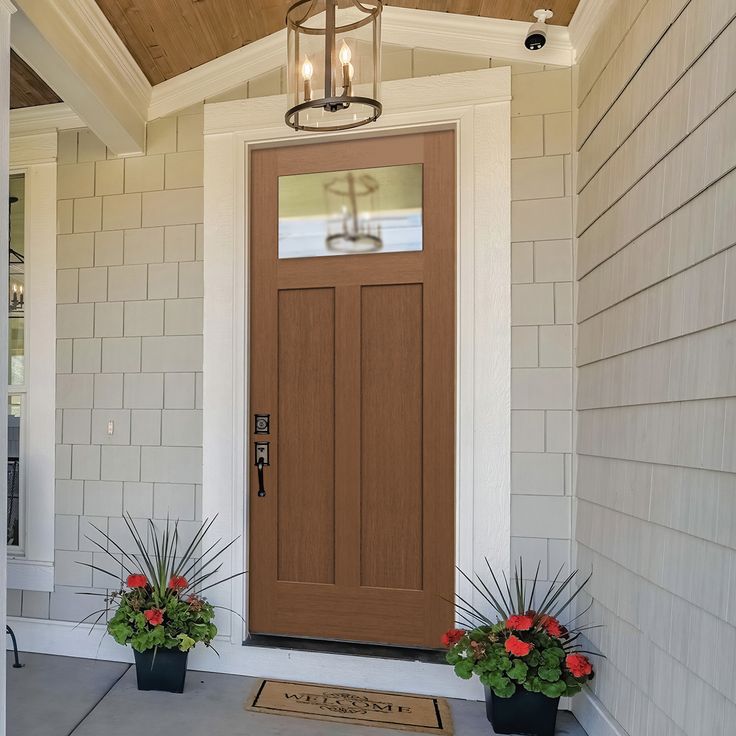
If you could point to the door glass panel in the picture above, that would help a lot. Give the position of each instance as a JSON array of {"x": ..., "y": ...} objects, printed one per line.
[
  {"x": 332, "y": 213},
  {"x": 16, "y": 286}
]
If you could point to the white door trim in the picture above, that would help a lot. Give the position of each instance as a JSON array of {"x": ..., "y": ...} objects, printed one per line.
[{"x": 477, "y": 106}]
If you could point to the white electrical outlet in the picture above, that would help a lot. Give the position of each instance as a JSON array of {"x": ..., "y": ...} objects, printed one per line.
[{"x": 110, "y": 427}]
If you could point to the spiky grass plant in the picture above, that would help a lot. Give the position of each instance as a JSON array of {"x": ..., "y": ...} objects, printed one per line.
[
  {"x": 523, "y": 645},
  {"x": 159, "y": 603}
]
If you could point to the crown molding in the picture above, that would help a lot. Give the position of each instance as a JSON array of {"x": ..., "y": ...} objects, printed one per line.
[
  {"x": 74, "y": 48},
  {"x": 219, "y": 75},
  {"x": 7, "y": 6},
  {"x": 94, "y": 26},
  {"x": 587, "y": 19},
  {"x": 43, "y": 118},
  {"x": 469, "y": 34}
]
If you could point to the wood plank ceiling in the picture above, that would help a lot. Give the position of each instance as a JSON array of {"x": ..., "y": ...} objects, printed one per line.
[
  {"x": 27, "y": 89},
  {"x": 168, "y": 37}
]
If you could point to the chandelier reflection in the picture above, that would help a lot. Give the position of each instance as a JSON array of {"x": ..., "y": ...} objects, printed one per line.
[
  {"x": 351, "y": 200},
  {"x": 16, "y": 267}
]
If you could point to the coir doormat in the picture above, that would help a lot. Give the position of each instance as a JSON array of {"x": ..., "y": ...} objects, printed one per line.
[{"x": 419, "y": 713}]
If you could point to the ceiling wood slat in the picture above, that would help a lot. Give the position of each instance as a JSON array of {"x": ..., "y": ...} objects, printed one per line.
[
  {"x": 169, "y": 37},
  {"x": 27, "y": 89}
]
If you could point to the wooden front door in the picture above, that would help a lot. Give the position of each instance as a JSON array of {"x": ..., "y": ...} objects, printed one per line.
[{"x": 352, "y": 356}]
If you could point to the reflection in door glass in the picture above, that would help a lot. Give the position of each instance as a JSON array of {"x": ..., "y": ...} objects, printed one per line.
[
  {"x": 17, "y": 285},
  {"x": 376, "y": 210}
]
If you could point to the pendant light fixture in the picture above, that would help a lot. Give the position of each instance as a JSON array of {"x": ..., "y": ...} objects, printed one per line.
[{"x": 334, "y": 64}]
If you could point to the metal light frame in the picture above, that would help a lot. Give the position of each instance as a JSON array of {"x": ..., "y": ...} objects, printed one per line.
[
  {"x": 296, "y": 16},
  {"x": 362, "y": 241}
]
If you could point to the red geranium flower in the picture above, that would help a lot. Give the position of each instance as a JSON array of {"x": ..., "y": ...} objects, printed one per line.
[
  {"x": 178, "y": 582},
  {"x": 517, "y": 647},
  {"x": 520, "y": 623},
  {"x": 137, "y": 581},
  {"x": 452, "y": 637},
  {"x": 551, "y": 626},
  {"x": 578, "y": 665},
  {"x": 154, "y": 616}
]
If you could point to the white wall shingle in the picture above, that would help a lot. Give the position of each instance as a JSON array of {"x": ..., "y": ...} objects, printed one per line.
[{"x": 656, "y": 482}]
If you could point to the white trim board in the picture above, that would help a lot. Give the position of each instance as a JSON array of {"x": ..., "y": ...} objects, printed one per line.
[
  {"x": 35, "y": 157},
  {"x": 589, "y": 16},
  {"x": 6, "y": 10},
  {"x": 43, "y": 118},
  {"x": 477, "y": 106},
  {"x": 593, "y": 717},
  {"x": 471, "y": 34}
]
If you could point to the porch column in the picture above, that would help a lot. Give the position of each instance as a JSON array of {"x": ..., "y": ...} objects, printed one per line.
[{"x": 6, "y": 10}]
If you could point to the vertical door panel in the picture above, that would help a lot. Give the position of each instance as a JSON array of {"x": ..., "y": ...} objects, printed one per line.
[
  {"x": 391, "y": 448},
  {"x": 306, "y": 499}
]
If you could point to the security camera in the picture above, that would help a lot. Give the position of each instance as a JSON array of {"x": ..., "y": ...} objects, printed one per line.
[{"x": 536, "y": 36}]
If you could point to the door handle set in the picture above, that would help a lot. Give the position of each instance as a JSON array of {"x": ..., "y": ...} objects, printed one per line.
[{"x": 262, "y": 426}]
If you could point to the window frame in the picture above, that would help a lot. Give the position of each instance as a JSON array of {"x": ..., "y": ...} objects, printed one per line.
[{"x": 31, "y": 565}]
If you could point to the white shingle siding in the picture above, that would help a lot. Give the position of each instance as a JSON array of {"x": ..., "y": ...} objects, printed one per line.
[{"x": 656, "y": 470}]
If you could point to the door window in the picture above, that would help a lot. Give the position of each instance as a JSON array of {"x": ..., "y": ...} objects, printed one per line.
[{"x": 375, "y": 210}]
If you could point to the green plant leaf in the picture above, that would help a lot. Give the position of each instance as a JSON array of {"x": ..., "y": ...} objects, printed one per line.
[
  {"x": 549, "y": 674},
  {"x": 554, "y": 689},
  {"x": 502, "y": 686},
  {"x": 518, "y": 671},
  {"x": 464, "y": 669}
]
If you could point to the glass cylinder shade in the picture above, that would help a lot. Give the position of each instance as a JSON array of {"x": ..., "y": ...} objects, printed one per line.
[{"x": 334, "y": 63}]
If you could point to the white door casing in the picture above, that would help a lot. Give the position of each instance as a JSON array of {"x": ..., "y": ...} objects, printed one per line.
[{"x": 477, "y": 106}]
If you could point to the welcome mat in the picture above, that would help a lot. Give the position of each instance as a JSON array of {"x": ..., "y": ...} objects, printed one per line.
[{"x": 402, "y": 712}]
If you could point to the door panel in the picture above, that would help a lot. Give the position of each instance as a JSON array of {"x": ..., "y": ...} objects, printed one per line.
[
  {"x": 306, "y": 350},
  {"x": 391, "y": 451},
  {"x": 353, "y": 356}
]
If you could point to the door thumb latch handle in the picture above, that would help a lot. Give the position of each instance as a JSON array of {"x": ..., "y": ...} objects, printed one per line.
[
  {"x": 261, "y": 489},
  {"x": 261, "y": 458}
]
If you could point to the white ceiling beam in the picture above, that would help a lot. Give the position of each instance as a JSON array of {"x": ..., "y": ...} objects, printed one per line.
[
  {"x": 72, "y": 46},
  {"x": 470, "y": 34}
]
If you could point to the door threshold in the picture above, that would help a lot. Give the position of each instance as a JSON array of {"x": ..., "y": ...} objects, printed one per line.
[{"x": 353, "y": 649}]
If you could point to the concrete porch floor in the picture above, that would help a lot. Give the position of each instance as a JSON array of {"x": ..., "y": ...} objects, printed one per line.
[{"x": 63, "y": 696}]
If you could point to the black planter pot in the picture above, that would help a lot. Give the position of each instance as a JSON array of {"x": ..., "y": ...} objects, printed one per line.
[
  {"x": 530, "y": 714},
  {"x": 161, "y": 669}
]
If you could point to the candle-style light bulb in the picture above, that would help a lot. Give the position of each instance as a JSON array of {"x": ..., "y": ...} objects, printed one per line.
[
  {"x": 307, "y": 69},
  {"x": 307, "y": 72},
  {"x": 345, "y": 55}
]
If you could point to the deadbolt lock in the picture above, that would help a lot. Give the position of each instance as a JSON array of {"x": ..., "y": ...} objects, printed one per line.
[{"x": 262, "y": 424}]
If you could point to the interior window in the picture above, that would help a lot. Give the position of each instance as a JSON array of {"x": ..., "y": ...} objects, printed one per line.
[{"x": 16, "y": 358}]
